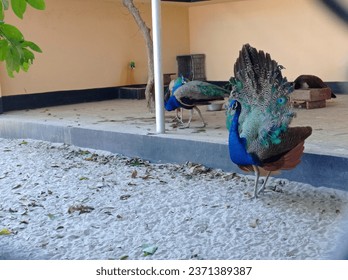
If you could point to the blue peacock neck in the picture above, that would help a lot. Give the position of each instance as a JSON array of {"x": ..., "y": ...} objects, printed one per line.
[
  {"x": 237, "y": 145},
  {"x": 172, "y": 104}
]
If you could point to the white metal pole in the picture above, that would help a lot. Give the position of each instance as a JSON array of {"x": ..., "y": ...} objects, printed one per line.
[{"x": 157, "y": 56}]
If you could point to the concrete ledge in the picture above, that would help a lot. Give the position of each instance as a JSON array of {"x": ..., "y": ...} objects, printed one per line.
[{"x": 317, "y": 170}]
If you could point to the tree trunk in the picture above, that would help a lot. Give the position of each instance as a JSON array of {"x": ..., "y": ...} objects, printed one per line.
[{"x": 146, "y": 31}]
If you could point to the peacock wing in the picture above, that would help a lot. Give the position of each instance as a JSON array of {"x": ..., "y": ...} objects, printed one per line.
[
  {"x": 199, "y": 92},
  {"x": 288, "y": 141},
  {"x": 288, "y": 161}
]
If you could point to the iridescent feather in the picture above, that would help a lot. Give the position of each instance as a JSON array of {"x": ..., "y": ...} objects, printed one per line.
[
  {"x": 263, "y": 93},
  {"x": 192, "y": 94},
  {"x": 259, "y": 116}
]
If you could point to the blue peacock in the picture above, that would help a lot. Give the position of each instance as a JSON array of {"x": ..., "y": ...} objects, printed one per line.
[
  {"x": 173, "y": 86},
  {"x": 259, "y": 115},
  {"x": 190, "y": 94}
]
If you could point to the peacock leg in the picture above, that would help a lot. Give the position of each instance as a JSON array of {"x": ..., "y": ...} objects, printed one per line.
[
  {"x": 181, "y": 115},
  {"x": 200, "y": 115},
  {"x": 178, "y": 118},
  {"x": 189, "y": 121},
  {"x": 257, "y": 176},
  {"x": 261, "y": 190}
]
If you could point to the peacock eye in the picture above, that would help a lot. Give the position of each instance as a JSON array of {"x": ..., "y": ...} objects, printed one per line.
[{"x": 281, "y": 100}]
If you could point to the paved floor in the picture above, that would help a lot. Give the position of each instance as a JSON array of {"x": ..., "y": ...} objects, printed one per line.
[
  {"x": 126, "y": 127},
  {"x": 330, "y": 124}
]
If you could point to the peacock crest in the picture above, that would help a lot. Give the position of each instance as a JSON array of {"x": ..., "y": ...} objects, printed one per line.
[
  {"x": 178, "y": 82},
  {"x": 262, "y": 91}
]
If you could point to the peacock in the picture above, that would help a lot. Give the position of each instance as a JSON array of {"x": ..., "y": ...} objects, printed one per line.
[
  {"x": 189, "y": 95},
  {"x": 258, "y": 117},
  {"x": 172, "y": 87}
]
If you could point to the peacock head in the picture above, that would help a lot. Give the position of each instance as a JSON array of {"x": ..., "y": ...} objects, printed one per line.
[
  {"x": 235, "y": 105},
  {"x": 181, "y": 80},
  {"x": 232, "y": 108}
]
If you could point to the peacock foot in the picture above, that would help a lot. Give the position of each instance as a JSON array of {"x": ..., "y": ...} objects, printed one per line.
[
  {"x": 184, "y": 126},
  {"x": 261, "y": 191},
  {"x": 252, "y": 196},
  {"x": 177, "y": 120},
  {"x": 203, "y": 125}
]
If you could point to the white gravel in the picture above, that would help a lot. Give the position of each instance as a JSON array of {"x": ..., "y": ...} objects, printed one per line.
[{"x": 63, "y": 202}]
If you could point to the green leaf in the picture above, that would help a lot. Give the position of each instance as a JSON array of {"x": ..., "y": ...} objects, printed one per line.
[
  {"x": 5, "y": 3},
  {"x": 37, "y": 4},
  {"x": 11, "y": 32},
  {"x": 31, "y": 45},
  {"x": 12, "y": 61},
  {"x": 51, "y": 216},
  {"x": 16, "y": 56},
  {"x": 25, "y": 66},
  {"x": 3, "y": 49},
  {"x": 149, "y": 249},
  {"x": 2, "y": 15},
  {"x": 9, "y": 72},
  {"x": 28, "y": 56},
  {"x": 19, "y": 7},
  {"x": 5, "y": 231},
  {"x": 14, "y": 50}
]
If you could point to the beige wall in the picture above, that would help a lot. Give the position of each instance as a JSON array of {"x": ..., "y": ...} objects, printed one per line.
[
  {"x": 89, "y": 44},
  {"x": 299, "y": 34}
]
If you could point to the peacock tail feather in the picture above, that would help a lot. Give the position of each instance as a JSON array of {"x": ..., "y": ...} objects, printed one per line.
[{"x": 258, "y": 85}]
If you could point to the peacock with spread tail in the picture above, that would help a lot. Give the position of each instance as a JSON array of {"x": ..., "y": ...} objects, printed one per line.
[
  {"x": 258, "y": 117},
  {"x": 189, "y": 95}
]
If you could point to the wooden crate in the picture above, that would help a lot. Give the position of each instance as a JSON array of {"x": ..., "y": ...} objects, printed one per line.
[
  {"x": 309, "y": 104},
  {"x": 310, "y": 98}
]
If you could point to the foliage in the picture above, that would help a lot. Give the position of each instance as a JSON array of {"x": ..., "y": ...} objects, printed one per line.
[
  {"x": 5, "y": 231},
  {"x": 14, "y": 49}
]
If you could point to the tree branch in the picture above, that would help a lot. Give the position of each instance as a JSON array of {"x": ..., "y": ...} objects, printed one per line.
[{"x": 146, "y": 32}]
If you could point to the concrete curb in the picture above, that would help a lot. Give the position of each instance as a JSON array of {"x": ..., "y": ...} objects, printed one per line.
[{"x": 317, "y": 170}]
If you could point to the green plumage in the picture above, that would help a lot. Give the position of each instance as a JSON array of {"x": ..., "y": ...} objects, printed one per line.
[
  {"x": 189, "y": 95},
  {"x": 198, "y": 92},
  {"x": 258, "y": 85}
]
